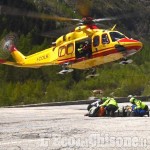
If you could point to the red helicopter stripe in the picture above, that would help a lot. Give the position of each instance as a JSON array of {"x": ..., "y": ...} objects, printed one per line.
[
  {"x": 99, "y": 53},
  {"x": 127, "y": 40}
]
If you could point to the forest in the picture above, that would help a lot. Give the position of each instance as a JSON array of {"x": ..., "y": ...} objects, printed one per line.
[{"x": 28, "y": 86}]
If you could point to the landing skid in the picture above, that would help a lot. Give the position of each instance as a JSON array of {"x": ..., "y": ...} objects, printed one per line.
[
  {"x": 91, "y": 76},
  {"x": 126, "y": 61},
  {"x": 65, "y": 71}
]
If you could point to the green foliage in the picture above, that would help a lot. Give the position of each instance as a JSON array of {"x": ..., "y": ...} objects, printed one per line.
[{"x": 24, "y": 86}]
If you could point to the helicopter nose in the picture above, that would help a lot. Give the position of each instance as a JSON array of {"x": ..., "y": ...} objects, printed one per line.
[
  {"x": 132, "y": 46},
  {"x": 137, "y": 45}
]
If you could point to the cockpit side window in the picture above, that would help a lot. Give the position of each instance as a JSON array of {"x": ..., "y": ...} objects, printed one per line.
[{"x": 116, "y": 36}]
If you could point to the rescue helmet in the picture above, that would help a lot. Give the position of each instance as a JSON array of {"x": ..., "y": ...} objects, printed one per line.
[
  {"x": 104, "y": 98},
  {"x": 132, "y": 100},
  {"x": 130, "y": 96},
  {"x": 86, "y": 42}
]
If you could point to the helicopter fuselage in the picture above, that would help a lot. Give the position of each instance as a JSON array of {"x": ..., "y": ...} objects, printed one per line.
[
  {"x": 86, "y": 47},
  {"x": 105, "y": 46}
]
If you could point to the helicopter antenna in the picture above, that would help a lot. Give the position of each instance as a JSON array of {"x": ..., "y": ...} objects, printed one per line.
[{"x": 113, "y": 27}]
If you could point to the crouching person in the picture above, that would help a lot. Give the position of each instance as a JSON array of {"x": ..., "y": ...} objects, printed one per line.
[
  {"x": 110, "y": 106},
  {"x": 139, "y": 108}
]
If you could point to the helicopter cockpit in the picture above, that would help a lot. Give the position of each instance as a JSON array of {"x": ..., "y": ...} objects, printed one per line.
[{"x": 115, "y": 36}]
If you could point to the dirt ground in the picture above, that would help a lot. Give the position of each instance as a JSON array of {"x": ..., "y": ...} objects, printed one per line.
[{"x": 66, "y": 128}]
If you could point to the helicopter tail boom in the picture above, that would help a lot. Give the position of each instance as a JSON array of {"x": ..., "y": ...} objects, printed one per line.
[
  {"x": 32, "y": 61},
  {"x": 42, "y": 58}
]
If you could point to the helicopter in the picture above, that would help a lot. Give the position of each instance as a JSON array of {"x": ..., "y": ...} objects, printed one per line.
[{"x": 87, "y": 46}]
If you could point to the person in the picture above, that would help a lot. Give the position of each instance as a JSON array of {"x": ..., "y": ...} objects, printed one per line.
[
  {"x": 110, "y": 106},
  {"x": 95, "y": 109},
  {"x": 87, "y": 49},
  {"x": 84, "y": 50},
  {"x": 105, "y": 39},
  {"x": 139, "y": 108},
  {"x": 80, "y": 49}
]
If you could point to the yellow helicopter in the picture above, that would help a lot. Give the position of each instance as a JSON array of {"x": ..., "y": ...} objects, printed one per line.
[{"x": 86, "y": 47}]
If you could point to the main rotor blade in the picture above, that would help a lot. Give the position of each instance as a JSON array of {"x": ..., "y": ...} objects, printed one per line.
[
  {"x": 123, "y": 16},
  {"x": 5, "y": 10},
  {"x": 105, "y": 19}
]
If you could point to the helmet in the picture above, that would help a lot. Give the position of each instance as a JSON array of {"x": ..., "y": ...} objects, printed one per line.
[
  {"x": 130, "y": 96},
  {"x": 132, "y": 100},
  {"x": 86, "y": 42},
  {"x": 104, "y": 98}
]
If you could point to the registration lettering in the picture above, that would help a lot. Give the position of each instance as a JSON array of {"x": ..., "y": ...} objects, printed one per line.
[{"x": 42, "y": 57}]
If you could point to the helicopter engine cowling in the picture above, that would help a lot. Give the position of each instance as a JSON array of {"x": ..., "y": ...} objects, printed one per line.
[{"x": 64, "y": 38}]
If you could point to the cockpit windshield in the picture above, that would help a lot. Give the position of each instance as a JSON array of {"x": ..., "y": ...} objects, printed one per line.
[{"x": 116, "y": 36}]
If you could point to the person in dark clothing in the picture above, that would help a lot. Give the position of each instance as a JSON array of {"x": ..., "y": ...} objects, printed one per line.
[
  {"x": 111, "y": 106},
  {"x": 87, "y": 50}
]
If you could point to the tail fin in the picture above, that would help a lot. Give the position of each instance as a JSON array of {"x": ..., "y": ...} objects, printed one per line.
[{"x": 18, "y": 56}]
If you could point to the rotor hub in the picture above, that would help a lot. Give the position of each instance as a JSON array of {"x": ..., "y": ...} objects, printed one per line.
[{"x": 87, "y": 20}]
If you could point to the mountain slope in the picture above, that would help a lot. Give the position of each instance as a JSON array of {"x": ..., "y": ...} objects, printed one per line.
[{"x": 134, "y": 15}]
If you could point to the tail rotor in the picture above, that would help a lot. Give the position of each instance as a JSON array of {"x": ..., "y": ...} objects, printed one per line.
[{"x": 7, "y": 45}]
